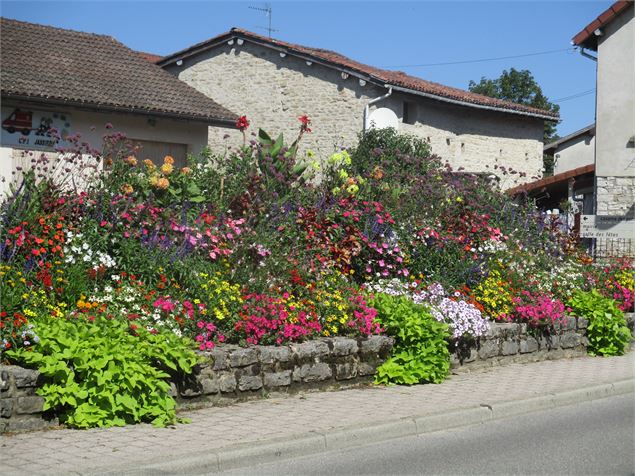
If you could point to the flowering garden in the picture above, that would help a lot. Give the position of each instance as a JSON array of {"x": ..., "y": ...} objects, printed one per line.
[{"x": 114, "y": 269}]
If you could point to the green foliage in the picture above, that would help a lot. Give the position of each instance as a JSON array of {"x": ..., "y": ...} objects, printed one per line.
[
  {"x": 607, "y": 332},
  {"x": 519, "y": 87},
  {"x": 101, "y": 374},
  {"x": 420, "y": 353}
]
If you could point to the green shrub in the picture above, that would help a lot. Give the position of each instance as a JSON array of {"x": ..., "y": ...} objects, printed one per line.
[
  {"x": 420, "y": 353},
  {"x": 102, "y": 373},
  {"x": 607, "y": 331}
]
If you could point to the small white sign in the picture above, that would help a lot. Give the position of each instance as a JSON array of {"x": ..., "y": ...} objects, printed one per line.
[
  {"x": 29, "y": 129},
  {"x": 599, "y": 226}
]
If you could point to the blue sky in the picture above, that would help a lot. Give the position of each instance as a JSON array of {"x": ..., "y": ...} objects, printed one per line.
[{"x": 386, "y": 34}]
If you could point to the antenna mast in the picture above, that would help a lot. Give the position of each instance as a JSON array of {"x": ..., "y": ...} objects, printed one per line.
[{"x": 267, "y": 11}]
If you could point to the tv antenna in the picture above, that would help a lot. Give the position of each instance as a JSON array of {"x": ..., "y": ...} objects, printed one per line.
[{"x": 267, "y": 11}]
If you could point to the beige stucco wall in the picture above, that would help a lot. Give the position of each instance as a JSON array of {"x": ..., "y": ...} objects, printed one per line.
[
  {"x": 91, "y": 127},
  {"x": 273, "y": 91},
  {"x": 574, "y": 153},
  {"x": 616, "y": 98}
]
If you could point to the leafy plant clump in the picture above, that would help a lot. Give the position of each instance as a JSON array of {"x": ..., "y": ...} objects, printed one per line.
[
  {"x": 103, "y": 373},
  {"x": 420, "y": 353},
  {"x": 607, "y": 332}
]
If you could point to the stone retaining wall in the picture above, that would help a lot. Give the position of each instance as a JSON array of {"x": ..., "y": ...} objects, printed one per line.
[{"x": 231, "y": 373}]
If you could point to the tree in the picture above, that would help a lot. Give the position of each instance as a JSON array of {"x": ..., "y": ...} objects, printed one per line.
[{"x": 519, "y": 87}]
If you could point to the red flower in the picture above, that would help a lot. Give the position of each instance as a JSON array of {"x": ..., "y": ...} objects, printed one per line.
[
  {"x": 242, "y": 123},
  {"x": 305, "y": 123}
]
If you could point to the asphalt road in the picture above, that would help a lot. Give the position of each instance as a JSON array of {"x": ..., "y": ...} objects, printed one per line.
[{"x": 591, "y": 438}]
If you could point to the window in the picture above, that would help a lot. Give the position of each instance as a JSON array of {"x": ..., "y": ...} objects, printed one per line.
[{"x": 409, "y": 112}]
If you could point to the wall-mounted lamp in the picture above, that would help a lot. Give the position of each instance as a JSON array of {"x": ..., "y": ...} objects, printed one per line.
[
  {"x": 230, "y": 42},
  {"x": 344, "y": 75},
  {"x": 240, "y": 41},
  {"x": 598, "y": 32},
  {"x": 179, "y": 62},
  {"x": 282, "y": 54},
  {"x": 309, "y": 63},
  {"x": 362, "y": 82}
]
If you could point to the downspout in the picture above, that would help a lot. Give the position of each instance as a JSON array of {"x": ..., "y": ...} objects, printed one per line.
[{"x": 370, "y": 103}]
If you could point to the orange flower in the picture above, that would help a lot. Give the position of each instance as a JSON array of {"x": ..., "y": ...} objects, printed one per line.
[
  {"x": 168, "y": 159},
  {"x": 167, "y": 168},
  {"x": 186, "y": 170},
  {"x": 131, "y": 160},
  {"x": 163, "y": 183},
  {"x": 127, "y": 189}
]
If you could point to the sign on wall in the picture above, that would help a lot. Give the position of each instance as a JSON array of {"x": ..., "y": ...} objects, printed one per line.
[
  {"x": 599, "y": 226},
  {"x": 30, "y": 129}
]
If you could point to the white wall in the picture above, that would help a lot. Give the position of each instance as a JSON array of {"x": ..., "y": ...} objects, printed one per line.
[{"x": 574, "y": 153}]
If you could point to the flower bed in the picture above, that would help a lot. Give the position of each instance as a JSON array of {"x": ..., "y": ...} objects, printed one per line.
[{"x": 266, "y": 246}]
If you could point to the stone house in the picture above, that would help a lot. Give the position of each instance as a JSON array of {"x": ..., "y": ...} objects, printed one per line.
[
  {"x": 274, "y": 82},
  {"x": 78, "y": 82},
  {"x": 612, "y": 35},
  {"x": 572, "y": 151}
]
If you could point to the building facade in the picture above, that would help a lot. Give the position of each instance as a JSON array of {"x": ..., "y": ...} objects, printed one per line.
[{"x": 274, "y": 82}]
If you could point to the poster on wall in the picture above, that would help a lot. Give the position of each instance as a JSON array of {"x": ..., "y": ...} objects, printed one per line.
[{"x": 24, "y": 128}]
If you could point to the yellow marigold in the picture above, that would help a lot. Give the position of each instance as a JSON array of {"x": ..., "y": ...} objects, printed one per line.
[
  {"x": 126, "y": 189},
  {"x": 148, "y": 163},
  {"x": 168, "y": 159},
  {"x": 153, "y": 180},
  {"x": 131, "y": 160},
  {"x": 163, "y": 183},
  {"x": 167, "y": 168}
]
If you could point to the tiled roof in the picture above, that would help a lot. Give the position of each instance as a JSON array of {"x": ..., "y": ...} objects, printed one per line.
[
  {"x": 46, "y": 64},
  {"x": 558, "y": 178},
  {"x": 586, "y": 38},
  {"x": 151, "y": 57},
  {"x": 398, "y": 79}
]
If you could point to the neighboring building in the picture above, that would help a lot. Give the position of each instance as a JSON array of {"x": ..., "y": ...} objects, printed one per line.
[
  {"x": 612, "y": 36},
  {"x": 573, "y": 151},
  {"x": 78, "y": 82},
  {"x": 274, "y": 82}
]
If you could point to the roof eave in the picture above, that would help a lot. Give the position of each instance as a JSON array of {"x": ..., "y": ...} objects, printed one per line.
[{"x": 94, "y": 107}]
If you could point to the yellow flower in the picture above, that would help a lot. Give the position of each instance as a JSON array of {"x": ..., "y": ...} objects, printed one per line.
[
  {"x": 127, "y": 189},
  {"x": 167, "y": 168},
  {"x": 149, "y": 164}
]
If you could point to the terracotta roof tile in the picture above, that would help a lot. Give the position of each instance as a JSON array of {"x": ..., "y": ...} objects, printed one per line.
[
  {"x": 394, "y": 78},
  {"x": 586, "y": 38},
  {"x": 151, "y": 57},
  {"x": 558, "y": 178},
  {"x": 43, "y": 63}
]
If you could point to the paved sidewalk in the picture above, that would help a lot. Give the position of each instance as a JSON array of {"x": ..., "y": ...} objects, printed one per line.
[{"x": 263, "y": 430}]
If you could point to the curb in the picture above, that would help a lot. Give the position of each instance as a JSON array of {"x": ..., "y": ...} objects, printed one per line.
[{"x": 313, "y": 442}]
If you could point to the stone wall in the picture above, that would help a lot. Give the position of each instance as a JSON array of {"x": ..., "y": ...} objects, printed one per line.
[
  {"x": 20, "y": 408},
  {"x": 615, "y": 196},
  {"x": 231, "y": 373},
  {"x": 273, "y": 91}
]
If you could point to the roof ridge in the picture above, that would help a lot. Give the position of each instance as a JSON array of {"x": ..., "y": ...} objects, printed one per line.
[{"x": 49, "y": 27}]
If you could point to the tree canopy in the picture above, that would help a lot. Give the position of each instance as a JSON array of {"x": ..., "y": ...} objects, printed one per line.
[{"x": 519, "y": 87}]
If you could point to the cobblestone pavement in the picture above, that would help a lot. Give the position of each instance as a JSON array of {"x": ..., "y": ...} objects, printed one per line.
[{"x": 75, "y": 451}]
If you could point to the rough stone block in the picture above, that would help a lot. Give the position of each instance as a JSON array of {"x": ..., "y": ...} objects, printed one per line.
[
  {"x": 549, "y": 342},
  {"x": 509, "y": 347},
  {"x": 569, "y": 339},
  {"x": 6, "y": 407},
  {"x": 243, "y": 357},
  {"x": 530, "y": 344},
  {"x": 210, "y": 386},
  {"x": 377, "y": 345},
  {"x": 24, "y": 377},
  {"x": 344, "y": 346},
  {"x": 219, "y": 357},
  {"x": 312, "y": 372},
  {"x": 271, "y": 354},
  {"x": 582, "y": 323},
  {"x": 249, "y": 382},
  {"x": 277, "y": 379},
  {"x": 310, "y": 350},
  {"x": 29, "y": 405},
  {"x": 489, "y": 349},
  {"x": 346, "y": 371},
  {"x": 494, "y": 330},
  {"x": 4, "y": 380},
  {"x": 366, "y": 368},
  {"x": 227, "y": 382}
]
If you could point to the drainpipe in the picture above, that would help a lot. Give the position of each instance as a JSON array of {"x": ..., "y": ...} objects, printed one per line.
[{"x": 371, "y": 102}]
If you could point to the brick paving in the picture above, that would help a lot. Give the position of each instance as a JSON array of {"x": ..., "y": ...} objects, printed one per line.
[{"x": 76, "y": 451}]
